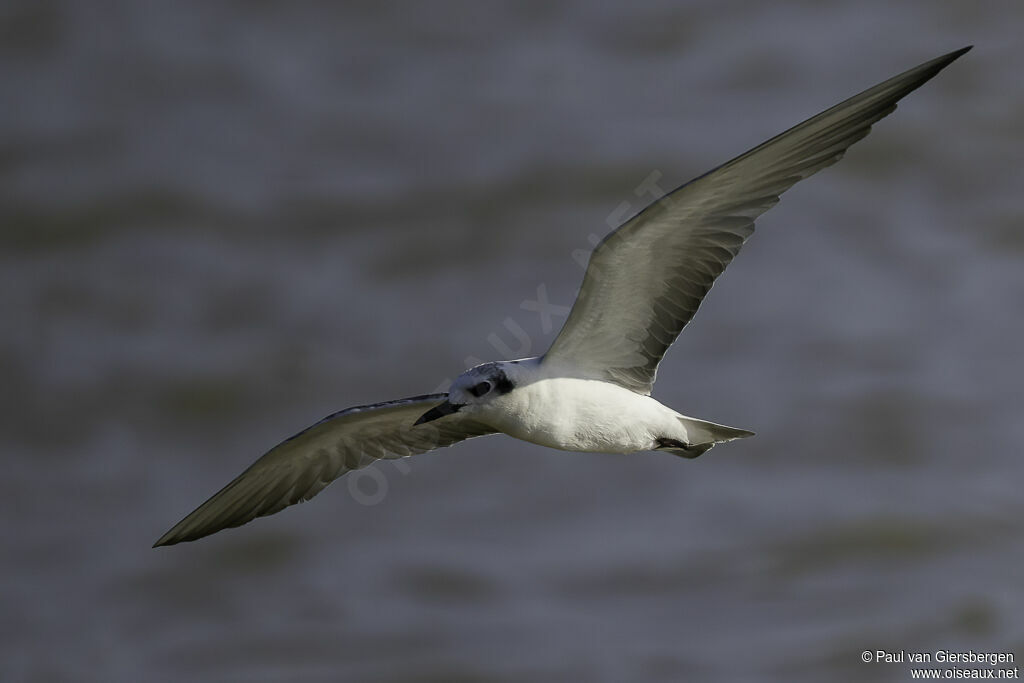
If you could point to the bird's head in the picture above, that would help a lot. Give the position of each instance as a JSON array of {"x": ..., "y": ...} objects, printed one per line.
[{"x": 473, "y": 390}]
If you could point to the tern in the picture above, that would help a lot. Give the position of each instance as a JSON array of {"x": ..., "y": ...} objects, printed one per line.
[{"x": 591, "y": 391}]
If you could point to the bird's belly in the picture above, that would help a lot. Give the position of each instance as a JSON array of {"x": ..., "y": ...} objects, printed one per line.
[{"x": 582, "y": 415}]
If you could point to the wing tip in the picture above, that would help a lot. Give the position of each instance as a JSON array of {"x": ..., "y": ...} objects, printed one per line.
[
  {"x": 190, "y": 529},
  {"x": 948, "y": 58},
  {"x": 166, "y": 540},
  {"x": 173, "y": 537}
]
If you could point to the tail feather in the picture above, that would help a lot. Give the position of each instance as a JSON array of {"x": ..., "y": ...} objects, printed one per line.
[{"x": 701, "y": 436}]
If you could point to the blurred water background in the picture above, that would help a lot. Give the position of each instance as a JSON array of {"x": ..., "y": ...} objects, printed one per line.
[{"x": 221, "y": 221}]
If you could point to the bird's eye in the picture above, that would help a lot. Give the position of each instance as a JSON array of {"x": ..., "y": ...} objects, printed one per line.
[{"x": 480, "y": 389}]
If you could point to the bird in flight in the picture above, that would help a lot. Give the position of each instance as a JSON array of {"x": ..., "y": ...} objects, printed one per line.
[{"x": 591, "y": 391}]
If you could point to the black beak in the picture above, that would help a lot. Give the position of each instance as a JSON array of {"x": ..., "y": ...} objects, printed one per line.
[{"x": 437, "y": 411}]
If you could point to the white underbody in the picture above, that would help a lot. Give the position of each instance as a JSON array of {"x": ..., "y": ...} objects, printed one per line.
[{"x": 583, "y": 415}]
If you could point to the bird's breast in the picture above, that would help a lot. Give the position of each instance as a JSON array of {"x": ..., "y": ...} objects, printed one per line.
[{"x": 580, "y": 415}]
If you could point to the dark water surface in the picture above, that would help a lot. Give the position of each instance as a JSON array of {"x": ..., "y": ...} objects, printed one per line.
[{"x": 221, "y": 221}]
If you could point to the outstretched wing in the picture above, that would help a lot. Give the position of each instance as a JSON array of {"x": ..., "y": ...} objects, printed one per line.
[
  {"x": 299, "y": 468},
  {"x": 646, "y": 279}
]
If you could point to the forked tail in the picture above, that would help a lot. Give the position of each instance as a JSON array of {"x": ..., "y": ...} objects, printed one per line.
[{"x": 701, "y": 436}]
